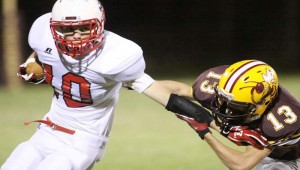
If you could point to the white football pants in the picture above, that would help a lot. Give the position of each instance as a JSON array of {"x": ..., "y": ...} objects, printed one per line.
[{"x": 48, "y": 150}]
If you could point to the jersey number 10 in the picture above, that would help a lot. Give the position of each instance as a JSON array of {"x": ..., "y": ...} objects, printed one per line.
[{"x": 85, "y": 98}]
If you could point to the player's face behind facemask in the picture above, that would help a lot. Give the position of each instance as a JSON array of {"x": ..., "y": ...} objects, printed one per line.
[
  {"x": 244, "y": 92},
  {"x": 77, "y": 26}
]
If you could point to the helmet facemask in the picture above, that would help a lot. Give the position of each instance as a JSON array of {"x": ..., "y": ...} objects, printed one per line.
[
  {"x": 91, "y": 36},
  {"x": 77, "y": 26},
  {"x": 226, "y": 111}
]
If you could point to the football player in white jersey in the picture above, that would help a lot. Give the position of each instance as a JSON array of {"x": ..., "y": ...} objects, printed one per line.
[{"x": 86, "y": 66}]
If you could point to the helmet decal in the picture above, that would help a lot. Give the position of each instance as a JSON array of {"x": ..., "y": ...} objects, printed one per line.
[
  {"x": 239, "y": 72},
  {"x": 272, "y": 83},
  {"x": 269, "y": 76},
  {"x": 262, "y": 89}
]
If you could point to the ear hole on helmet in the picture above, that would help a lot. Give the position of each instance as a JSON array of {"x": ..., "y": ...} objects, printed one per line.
[{"x": 245, "y": 79}]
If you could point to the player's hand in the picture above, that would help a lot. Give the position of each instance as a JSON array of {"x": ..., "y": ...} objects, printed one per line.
[
  {"x": 243, "y": 136},
  {"x": 28, "y": 77},
  {"x": 200, "y": 126}
]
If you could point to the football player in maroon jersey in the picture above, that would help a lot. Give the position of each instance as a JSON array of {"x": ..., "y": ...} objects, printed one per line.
[{"x": 248, "y": 107}]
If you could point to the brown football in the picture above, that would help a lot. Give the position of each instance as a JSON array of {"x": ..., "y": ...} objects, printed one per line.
[{"x": 36, "y": 69}]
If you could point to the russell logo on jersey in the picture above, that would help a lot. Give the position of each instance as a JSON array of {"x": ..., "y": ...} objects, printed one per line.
[{"x": 48, "y": 50}]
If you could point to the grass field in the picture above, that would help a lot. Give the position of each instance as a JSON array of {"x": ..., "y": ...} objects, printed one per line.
[{"x": 144, "y": 136}]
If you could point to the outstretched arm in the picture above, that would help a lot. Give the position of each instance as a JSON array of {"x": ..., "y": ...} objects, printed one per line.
[
  {"x": 235, "y": 159},
  {"x": 232, "y": 158},
  {"x": 161, "y": 90},
  {"x": 158, "y": 92},
  {"x": 178, "y": 88}
]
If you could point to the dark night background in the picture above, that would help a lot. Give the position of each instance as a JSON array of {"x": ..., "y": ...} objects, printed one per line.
[{"x": 186, "y": 37}]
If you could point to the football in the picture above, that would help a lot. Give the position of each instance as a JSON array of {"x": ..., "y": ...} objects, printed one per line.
[{"x": 36, "y": 69}]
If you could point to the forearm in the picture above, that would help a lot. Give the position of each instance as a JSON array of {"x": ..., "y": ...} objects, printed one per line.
[
  {"x": 160, "y": 90},
  {"x": 178, "y": 88},
  {"x": 158, "y": 93},
  {"x": 223, "y": 152},
  {"x": 235, "y": 159}
]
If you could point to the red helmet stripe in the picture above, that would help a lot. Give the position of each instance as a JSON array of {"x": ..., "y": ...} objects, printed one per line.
[{"x": 234, "y": 77}]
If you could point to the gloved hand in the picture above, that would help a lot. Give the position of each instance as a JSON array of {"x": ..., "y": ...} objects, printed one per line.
[
  {"x": 243, "y": 136},
  {"x": 200, "y": 126},
  {"x": 31, "y": 78},
  {"x": 195, "y": 115}
]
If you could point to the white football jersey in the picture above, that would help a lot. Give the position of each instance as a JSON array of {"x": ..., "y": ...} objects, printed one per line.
[{"x": 86, "y": 91}]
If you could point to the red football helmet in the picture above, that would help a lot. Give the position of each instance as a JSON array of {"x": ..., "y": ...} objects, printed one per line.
[{"x": 85, "y": 17}]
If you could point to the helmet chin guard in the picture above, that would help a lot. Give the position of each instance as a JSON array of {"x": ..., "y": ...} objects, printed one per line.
[{"x": 81, "y": 17}]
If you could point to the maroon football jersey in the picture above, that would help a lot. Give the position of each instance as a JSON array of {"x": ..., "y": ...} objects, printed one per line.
[{"x": 279, "y": 123}]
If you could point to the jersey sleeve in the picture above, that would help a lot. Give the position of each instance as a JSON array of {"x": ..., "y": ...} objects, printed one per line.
[
  {"x": 131, "y": 68},
  {"x": 121, "y": 59},
  {"x": 281, "y": 127},
  {"x": 139, "y": 84},
  {"x": 280, "y": 122},
  {"x": 203, "y": 87}
]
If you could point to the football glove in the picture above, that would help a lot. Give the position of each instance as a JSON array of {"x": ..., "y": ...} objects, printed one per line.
[
  {"x": 244, "y": 136},
  {"x": 195, "y": 115},
  {"x": 200, "y": 127},
  {"x": 31, "y": 78}
]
